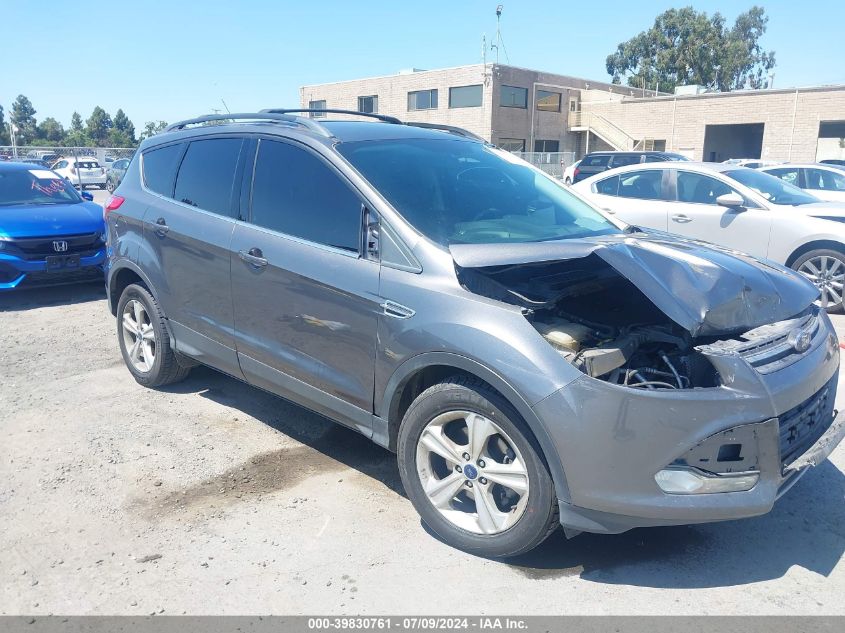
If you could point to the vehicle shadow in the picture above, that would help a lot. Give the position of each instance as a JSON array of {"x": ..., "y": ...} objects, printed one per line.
[
  {"x": 805, "y": 528},
  {"x": 332, "y": 440},
  {"x": 30, "y": 298}
]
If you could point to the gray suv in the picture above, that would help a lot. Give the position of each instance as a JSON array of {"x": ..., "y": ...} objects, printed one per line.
[{"x": 531, "y": 361}]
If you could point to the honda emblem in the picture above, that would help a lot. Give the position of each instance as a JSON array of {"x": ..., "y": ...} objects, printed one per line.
[{"x": 60, "y": 246}]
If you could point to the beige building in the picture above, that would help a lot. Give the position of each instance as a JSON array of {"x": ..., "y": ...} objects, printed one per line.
[{"x": 528, "y": 110}]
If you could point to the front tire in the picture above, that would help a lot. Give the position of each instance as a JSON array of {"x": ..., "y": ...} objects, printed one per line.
[
  {"x": 110, "y": 186},
  {"x": 143, "y": 339},
  {"x": 473, "y": 471},
  {"x": 826, "y": 269},
  {"x": 568, "y": 181}
]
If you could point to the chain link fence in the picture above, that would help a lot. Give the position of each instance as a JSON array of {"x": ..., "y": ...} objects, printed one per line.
[
  {"x": 553, "y": 163},
  {"x": 49, "y": 156}
]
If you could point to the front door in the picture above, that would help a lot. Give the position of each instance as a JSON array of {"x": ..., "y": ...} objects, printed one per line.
[
  {"x": 306, "y": 300},
  {"x": 696, "y": 214}
]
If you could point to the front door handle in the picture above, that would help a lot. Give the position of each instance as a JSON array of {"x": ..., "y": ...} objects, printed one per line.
[
  {"x": 681, "y": 218},
  {"x": 253, "y": 257},
  {"x": 161, "y": 227}
]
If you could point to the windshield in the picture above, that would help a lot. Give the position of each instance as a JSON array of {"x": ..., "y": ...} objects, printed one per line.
[
  {"x": 35, "y": 187},
  {"x": 772, "y": 189},
  {"x": 459, "y": 192}
]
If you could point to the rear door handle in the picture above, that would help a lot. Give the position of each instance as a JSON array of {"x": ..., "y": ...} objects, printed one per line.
[
  {"x": 253, "y": 257},
  {"x": 161, "y": 226},
  {"x": 681, "y": 218}
]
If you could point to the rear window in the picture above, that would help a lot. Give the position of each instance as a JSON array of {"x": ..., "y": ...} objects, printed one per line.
[
  {"x": 207, "y": 174},
  {"x": 595, "y": 161},
  {"x": 620, "y": 160},
  {"x": 160, "y": 168},
  {"x": 88, "y": 164}
]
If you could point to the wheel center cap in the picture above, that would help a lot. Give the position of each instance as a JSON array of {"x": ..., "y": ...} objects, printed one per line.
[{"x": 470, "y": 471}]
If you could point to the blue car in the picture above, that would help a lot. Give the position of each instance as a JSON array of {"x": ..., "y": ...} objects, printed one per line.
[{"x": 49, "y": 233}]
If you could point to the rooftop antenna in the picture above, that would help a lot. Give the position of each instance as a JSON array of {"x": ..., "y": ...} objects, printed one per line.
[
  {"x": 225, "y": 106},
  {"x": 499, "y": 41}
]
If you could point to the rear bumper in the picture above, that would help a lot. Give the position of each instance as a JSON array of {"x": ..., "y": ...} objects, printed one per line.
[{"x": 17, "y": 271}]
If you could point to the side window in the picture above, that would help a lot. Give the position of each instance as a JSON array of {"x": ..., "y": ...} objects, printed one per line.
[
  {"x": 700, "y": 189},
  {"x": 643, "y": 185},
  {"x": 608, "y": 186},
  {"x": 61, "y": 164},
  {"x": 598, "y": 160},
  {"x": 296, "y": 193},
  {"x": 207, "y": 174},
  {"x": 824, "y": 180},
  {"x": 160, "y": 168},
  {"x": 787, "y": 174},
  {"x": 620, "y": 160}
]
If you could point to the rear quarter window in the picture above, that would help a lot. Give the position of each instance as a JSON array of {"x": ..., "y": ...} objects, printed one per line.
[{"x": 160, "y": 168}]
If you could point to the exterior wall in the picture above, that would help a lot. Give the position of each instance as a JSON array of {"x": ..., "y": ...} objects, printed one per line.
[
  {"x": 682, "y": 121},
  {"x": 393, "y": 92}
]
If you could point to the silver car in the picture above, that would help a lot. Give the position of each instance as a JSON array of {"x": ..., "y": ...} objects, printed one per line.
[{"x": 531, "y": 362}]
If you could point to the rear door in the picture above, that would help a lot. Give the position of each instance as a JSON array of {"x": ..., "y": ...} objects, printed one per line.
[
  {"x": 188, "y": 229},
  {"x": 306, "y": 299},
  {"x": 695, "y": 214}
]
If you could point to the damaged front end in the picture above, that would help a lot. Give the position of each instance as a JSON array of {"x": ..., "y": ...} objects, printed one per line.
[{"x": 639, "y": 311}]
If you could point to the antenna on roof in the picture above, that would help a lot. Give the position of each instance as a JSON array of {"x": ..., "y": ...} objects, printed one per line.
[{"x": 500, "y": 43}]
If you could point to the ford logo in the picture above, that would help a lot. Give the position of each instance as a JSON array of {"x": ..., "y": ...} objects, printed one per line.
[{"x": 800, "y": 340}]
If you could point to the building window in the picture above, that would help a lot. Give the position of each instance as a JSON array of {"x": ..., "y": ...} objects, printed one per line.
[
  {"x": 548, "y": 101},
  {"x": 368, "y": 104},
  {"x": 512, "y": 97},
  {"x": 422, "y": 100},
  {"x": 512, "y": 144},
  {"x": 317, "y": 105},
  {"x": 465, "y": 96},
  {"x": 546, "y": 145},
  {"x": 573, "y": 105}
]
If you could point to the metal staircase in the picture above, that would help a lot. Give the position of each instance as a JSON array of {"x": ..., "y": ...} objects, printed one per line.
[{"x": 609, "y": 132}]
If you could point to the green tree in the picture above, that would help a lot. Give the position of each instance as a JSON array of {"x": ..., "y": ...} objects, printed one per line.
[
  {"x": 76, "y": 136},
  {"x": 4, "y": 130},
  {"x": 50, "y": 132},
  {"x": 23, "y": 117},
  {"x": 123, "y": 129},
  {"x": 151, "y": 128},
  {"x": 98, "y": 126},
  {"x": 685, "y": 46}
]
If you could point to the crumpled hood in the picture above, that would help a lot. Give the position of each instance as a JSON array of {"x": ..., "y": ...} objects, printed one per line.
[
  {"x": 706, "y": 289},
  {"x": 51, "y": 220}
]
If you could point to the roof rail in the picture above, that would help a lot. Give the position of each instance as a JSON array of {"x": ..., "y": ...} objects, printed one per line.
[
  {"x": 446, "y": 128},
  {"x": 381, "y": 117},
  {"x": 252, "y": 116}
]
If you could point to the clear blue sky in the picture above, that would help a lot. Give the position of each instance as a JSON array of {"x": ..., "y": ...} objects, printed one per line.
[{"x": 176, "y": 59}]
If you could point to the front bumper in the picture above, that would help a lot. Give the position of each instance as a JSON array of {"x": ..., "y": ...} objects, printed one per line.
[
  {"x": 612, "y": 440},
  {"x": 16, "y": 271}
]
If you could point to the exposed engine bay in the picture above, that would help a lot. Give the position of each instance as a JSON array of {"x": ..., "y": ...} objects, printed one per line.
[{"x": 600, "y": 322}]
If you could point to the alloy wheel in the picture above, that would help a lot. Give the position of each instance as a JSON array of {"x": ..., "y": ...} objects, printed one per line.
[
  {"x": 828, "y": 275},
  {"x": 138, "y": 336},
  {"x": 472, "y": 472}
]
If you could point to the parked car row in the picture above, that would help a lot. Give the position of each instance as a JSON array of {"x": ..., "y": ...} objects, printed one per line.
[{"x": 744, "y": 209}]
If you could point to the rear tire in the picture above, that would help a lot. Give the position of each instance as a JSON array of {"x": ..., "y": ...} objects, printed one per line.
[
  {"x": 826, "y": 269},
  {"x": 144, "y": 341},
  {"x": 498, "y": 502},
  {"x": 110, "y": 186}
]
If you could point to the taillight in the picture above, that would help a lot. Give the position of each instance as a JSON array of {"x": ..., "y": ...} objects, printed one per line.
[
  {"x": 575, "y": 173},
  {"x": 73, "y": 170},
  {"x": 112, "y": 204}
]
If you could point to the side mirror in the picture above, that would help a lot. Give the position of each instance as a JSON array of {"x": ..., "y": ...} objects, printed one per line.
[
  {"x": 87, "y": 196},
  {"x": 731, "y": 201}
]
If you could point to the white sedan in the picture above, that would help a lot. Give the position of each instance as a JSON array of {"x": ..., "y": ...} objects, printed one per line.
[
  {"x": 740, "y": 208},
  {"x": 81, "y": 172},
  {"x": 823, "y": 181}
]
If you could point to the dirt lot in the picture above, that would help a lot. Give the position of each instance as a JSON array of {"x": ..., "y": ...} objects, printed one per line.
[{"x": 213, "y": 497}]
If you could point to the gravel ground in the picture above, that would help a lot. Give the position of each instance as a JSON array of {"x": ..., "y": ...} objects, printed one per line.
[{"x": 212, "y": 497}]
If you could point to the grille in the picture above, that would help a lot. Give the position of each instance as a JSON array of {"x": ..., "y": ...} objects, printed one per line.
[
  {"x": 40, "y": 247},
  {"x": 81, "y": 275},
  {"x": 801, "y": 426}
]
